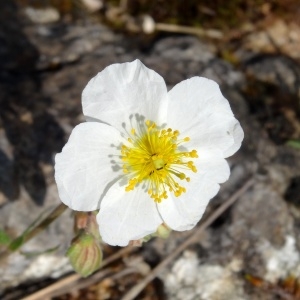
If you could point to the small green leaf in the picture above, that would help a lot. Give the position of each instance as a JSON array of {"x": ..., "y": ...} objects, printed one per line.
[
  {"x": 4, "y": 238},
  {"x": 17, "y": 243},
  {"x": 294, "y": 143}
]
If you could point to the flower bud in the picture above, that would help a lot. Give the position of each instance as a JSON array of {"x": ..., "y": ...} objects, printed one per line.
[
  {"x": 85, "y": 254},
  {"x": 163, "y": 231}
]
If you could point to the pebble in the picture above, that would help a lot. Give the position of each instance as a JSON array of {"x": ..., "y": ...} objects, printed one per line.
[
  {"x": 42, "y": 15},
  {"x": 93, "y": 5}
]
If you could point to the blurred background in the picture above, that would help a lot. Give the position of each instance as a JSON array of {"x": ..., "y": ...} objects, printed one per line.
[{"x": 48, "y": 52}]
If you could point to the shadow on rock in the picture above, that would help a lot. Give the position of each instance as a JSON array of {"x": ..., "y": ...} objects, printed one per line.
[
  {"x": 272, "y": 93},
  {"x": 8, "y": 178},
  {"x": 29, "y": 127}
]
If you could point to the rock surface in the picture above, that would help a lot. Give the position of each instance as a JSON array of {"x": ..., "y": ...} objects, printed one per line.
[
  {"x": 279, "y": 36},
  {"x": 40, "y": 93}
]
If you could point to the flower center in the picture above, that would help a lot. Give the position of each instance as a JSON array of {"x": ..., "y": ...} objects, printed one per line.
[{"x": 154, "y": 157}]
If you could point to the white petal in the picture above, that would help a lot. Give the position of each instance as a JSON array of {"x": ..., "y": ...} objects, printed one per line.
[
  {"x": 198, "y": 109},
  {"x": 85, "y": 169},
  {"x": 126, "y": 216},
  {"x": 238, "y": 136},
  {"x": 123, "y": 90},
  {"x": 215, "y": 131},
  {"x": 184, "y": 212},
  {"x": 211, "y": 165}
]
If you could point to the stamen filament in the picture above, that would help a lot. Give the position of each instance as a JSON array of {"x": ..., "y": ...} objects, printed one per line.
[{"x": 154, "y": 158}]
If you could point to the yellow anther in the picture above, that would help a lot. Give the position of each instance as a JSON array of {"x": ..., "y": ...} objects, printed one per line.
[
  {"x": 190, "y": 164},
  {"x": 193, "y": 154},
  {"x": 182, "y": 176},
  {"x": 154, "y": 159}
]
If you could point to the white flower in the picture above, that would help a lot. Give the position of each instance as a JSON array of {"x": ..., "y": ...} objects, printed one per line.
[{"x": 146, "y": 156}]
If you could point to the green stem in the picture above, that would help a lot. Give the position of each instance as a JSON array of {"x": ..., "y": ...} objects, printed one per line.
[{"x": 32, "y": 232}]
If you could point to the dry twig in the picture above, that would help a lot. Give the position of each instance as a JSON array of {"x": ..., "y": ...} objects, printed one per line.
[
  {"x": 76, "y": 281},
  {"x": 211, "y": 33}
]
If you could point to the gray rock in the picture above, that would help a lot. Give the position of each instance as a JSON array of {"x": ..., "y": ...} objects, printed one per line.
[
  {"x": 33, "y": 262},
  {"x": 191, "y": 279},
  {"x": 277, "y": 70}
]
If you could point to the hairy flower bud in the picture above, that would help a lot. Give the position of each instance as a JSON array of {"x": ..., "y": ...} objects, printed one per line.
[{"x": 85, "y": 254}]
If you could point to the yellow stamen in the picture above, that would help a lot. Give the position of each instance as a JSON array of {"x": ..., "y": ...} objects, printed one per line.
[{"x": 154, "y": 158}]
